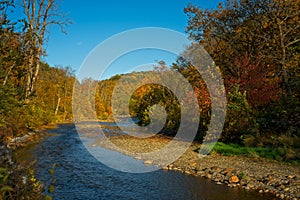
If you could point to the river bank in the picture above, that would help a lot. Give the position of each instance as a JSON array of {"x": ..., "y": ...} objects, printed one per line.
[
  {"x": 255, "y": 173},
  {"x": 32, "y": 137},
  {"x": 25, "y": 140}
]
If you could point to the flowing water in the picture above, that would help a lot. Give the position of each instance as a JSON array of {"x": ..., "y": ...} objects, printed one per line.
[{"x": 80, "y": 176}]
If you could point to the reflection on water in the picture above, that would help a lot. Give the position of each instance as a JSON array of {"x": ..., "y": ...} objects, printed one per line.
[{"x": 80, "y": 176}]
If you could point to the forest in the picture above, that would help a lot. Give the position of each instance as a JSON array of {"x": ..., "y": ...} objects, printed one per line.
[
  {"x": 256, "y": 46},
  {"x": 254, "y": 43}
]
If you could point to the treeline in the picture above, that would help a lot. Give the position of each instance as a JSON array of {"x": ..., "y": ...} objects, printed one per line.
[
  {"x": 256, "y": 44},
  {"x": 51, "y": 97},
  {"x": 32, "y": 93},
  {"x": 50, "y": 102}
]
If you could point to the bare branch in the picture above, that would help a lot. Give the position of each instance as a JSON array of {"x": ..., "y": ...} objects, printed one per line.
[
  {"x": 291, "y": 43},
  {"x": 40, "y": 14}
]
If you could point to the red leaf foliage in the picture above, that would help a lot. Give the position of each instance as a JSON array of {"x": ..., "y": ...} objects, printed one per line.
[{"x": 257, "y": 79}]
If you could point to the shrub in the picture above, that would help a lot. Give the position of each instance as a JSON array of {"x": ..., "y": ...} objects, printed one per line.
[{"x": 239, "y": 120}]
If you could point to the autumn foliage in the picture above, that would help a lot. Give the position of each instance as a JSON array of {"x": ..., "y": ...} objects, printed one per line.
[
  {"x": 257, "y": 80},
  {"x": 256, "y": 45}
]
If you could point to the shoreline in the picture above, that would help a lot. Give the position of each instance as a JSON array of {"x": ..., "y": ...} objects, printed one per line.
[
  {"x": 251, "y": 173},
  {"x": 31, "y": 137}
]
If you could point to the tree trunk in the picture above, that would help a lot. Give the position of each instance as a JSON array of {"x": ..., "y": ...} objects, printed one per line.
[
  {"x": 57, "y": 106},
  {"x": 285, "y": 78},
  {"x": 6, "y": 77}
]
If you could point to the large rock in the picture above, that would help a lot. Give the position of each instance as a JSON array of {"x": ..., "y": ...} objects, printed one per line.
[{"x": 234, "y": 179}]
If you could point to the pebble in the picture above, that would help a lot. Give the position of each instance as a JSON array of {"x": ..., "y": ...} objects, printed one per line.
[
  {"x": 228, "y": 170},
  {"x": 148, "y": 162},
  {"x": 187, "y": 172},
  {"x": 251, "y": 184},
  {"x": 193, "y": 164},
  {"x": 291, "y": 177},
  {"x": 208, "y": 176},
  {"x": 138, "y": 157}
]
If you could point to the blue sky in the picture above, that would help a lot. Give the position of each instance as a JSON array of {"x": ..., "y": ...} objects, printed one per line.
[{"x": 96, "y": 21}]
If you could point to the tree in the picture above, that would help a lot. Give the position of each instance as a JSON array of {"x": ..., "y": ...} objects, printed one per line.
[
  {"x": 39, "y": 16},
  {"x": 54, "y": 92},
  {"x": 256, "y": 45},
  {"x": 254, "y": 79},
  {"x": 264, "y": 29}
]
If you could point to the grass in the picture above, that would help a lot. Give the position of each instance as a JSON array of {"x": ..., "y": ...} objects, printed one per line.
[
  {"x": 235, "y": 149},
  {"x": 265, "y": 152}
]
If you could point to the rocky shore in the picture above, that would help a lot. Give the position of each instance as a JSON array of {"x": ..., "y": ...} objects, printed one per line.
[
  {"x": 33, "y": 136},
  {"x": 255, "y": 173}
]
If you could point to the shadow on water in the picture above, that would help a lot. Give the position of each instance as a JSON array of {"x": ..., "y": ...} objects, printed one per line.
[{"x": 80, "y": 176}]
